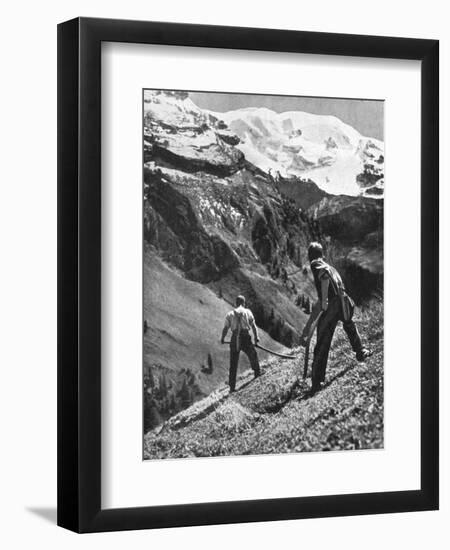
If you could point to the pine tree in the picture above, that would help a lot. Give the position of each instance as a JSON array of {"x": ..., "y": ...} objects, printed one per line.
[
  {"x": 184, "y": 394},
  {"x": 210, "y": 363},
  {"x": 172, "y": 404},
  {"x": 149, "y": 379},
  {"x": 308, "y": 306},
  {"x": 162, "y": 385}
]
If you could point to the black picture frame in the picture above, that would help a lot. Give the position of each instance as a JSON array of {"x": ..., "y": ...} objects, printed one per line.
[{"x": 79, "y": 274}]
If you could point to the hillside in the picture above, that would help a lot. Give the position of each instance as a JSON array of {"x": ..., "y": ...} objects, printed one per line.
[
  {"x": 183, "y": 357},
  {"x": 276, "y": 414}
]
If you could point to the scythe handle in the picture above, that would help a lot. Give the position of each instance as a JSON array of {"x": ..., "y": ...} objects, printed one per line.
[
  {"x": 306, "y": 359},
  {"x": 308, "y": 342},
  {"x": 281, "y": 355}
]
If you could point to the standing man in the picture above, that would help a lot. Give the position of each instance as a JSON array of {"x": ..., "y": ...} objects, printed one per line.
[
  {"x": 336, "y": 305},
  {"x": 240, "y": 320}
]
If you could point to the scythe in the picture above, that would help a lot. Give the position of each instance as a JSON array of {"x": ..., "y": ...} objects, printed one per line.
[{"x": 281, "y": 355}]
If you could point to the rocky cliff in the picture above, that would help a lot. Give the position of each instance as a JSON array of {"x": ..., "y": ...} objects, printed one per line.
[{"x": 353, "y": 229}]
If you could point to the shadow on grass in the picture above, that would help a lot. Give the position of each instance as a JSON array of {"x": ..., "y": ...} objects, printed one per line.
[{"x": 308, "y": 394}]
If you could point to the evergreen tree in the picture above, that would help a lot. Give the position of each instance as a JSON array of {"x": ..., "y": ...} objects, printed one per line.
[
  {"x": 149, "y": 379},
  {"x": 162, "y": 385},
  {"x": 308, "y": 306},
  {"x": 185, "y": 395},
  {"x": 210, "y": 363},
  {"x": 172, "y": 403}
]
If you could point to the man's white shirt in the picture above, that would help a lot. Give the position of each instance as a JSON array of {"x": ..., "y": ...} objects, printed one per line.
[{"x": 242, "y": 316}]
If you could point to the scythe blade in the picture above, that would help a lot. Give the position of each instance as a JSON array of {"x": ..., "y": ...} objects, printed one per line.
[{"x": 281, "y": 355}]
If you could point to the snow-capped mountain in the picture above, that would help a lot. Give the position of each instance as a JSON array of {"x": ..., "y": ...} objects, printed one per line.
[
  {"x": 321, "y": 148},
  {"x": 175, "y": 125}
]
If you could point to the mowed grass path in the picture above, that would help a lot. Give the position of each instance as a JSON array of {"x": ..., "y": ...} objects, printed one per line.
[{"x": 276, "y": 414}]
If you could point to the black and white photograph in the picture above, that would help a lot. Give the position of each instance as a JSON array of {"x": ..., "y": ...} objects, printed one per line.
[{"x": 263, "y": 274}]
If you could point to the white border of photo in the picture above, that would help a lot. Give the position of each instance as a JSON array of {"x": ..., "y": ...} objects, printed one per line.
[{"x": 127, "y": 480}]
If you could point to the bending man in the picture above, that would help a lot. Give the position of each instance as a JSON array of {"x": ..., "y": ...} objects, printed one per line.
[
  {"x": 336, "y": 306},
  {"x": 240, "y": 320}
]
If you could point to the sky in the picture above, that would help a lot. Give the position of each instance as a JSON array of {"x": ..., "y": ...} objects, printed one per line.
[{"x": 365, "y": 115}]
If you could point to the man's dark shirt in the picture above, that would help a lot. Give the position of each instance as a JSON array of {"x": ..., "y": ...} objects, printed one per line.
[{"x": 320, "y": 270}]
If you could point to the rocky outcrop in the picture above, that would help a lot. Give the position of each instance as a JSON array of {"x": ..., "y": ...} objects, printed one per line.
[
  {"x": 353, "y": 227},
  {"x": 304, "y": 192},
  {"x": 221, "y": 165},
  {"x": 364, "y": 273},
  {"x": 179, "y": 134},
  {"x": 348, "y": 219},
  {"x": 172, "y": 225}
]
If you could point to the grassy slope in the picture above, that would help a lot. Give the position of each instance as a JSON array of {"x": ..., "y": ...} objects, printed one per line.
[
  {"x": 274, "y": 414},
  {"x": 185, "y": 324}
]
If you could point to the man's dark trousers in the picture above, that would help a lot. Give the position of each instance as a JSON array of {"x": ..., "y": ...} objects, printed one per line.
[
  {"x": 325, "y": 331},
  {"x": 245, "y": 345}
]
